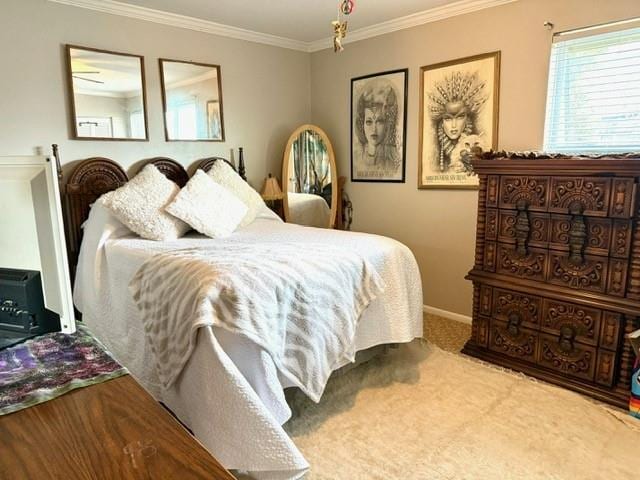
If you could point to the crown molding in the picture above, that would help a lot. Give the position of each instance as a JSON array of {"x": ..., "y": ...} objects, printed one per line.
[
  {"x": 415, "y": 19},
  {"x": 191, "y": 23},
  {"x": 182, "y": 21}
]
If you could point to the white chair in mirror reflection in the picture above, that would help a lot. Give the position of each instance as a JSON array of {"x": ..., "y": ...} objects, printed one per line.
[{"x": 309, "y": 171}]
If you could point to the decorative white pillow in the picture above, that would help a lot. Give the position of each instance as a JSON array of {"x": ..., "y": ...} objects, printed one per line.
[
  {"x": 223, "y": 174},
  {"x": 139, "y": 204},
  {"x": 208, "y": 207}
]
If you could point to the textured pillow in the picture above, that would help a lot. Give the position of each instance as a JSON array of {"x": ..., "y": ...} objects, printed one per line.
[
  {"x": 139, "y": 204},
  {"x": 208, "y": 207},
  {"x": 223, "y": 174}
]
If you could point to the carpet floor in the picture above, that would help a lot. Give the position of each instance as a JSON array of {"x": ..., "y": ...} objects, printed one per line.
[{"x": 423, "y": 413}]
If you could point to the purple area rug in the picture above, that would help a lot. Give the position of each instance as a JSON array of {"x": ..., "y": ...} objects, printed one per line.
[{"x": 50, "y": 365}]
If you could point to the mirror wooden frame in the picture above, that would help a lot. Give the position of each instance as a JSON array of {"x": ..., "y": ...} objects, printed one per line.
[
  {"x": 72, "y": 103},
  {"x": 334, "y": 172},
  {"x": 164, "y": 101}
]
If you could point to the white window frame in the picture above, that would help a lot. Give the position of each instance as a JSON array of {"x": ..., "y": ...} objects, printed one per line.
[{"x": 610, "y": 120}]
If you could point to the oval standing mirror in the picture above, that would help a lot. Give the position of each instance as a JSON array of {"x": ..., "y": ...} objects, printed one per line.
[
  {"x": 309, "y": 176},
  {"x": 107, "y": 94}
]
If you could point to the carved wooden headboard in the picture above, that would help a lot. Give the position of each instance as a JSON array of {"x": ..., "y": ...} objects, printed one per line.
[{"x": 96, "y": 176}]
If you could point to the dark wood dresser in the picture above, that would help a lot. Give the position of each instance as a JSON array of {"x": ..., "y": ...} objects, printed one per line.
[{"x": 557, "y": 269}]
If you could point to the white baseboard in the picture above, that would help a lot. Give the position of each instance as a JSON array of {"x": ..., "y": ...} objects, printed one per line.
[{"x": 458, "y": 317}]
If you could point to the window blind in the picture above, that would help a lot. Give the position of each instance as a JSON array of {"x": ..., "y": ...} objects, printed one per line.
[{"x": 593, "y": 99}]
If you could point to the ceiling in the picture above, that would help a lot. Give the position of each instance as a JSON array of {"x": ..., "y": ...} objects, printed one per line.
[
  {"x": 101, "y": 73},
  {"x": 300, "y": 20}
]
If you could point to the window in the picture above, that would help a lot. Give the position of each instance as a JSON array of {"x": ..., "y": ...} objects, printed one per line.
[
  {"x": 136, "y": 124},
  {"x": 94, "y": 127},
  {"x": 182, "y": 121},
  {"x": 593, "y": 100}
]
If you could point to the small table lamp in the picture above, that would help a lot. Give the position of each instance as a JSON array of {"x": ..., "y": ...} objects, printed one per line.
[
  {"x": 273, "y": 196},
  {"x": 271, "y": 190}
]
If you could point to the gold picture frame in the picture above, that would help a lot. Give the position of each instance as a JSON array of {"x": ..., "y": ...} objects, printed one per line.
[
  {"x": 214, "y": 119},
  {"x": 459, "y": 110}
]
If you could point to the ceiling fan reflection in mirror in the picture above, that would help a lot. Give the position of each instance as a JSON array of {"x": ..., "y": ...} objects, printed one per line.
[{"x": 95, "y": 72}]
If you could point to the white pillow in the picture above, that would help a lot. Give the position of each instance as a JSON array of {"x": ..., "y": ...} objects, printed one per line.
[
  {"x": 139, "y": 204},
  {"x": 223, "y": 174},
  {"x": 208, "y": 207}
]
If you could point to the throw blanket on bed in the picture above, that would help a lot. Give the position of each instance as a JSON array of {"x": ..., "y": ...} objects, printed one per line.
[{"x": 300, "y": 302}]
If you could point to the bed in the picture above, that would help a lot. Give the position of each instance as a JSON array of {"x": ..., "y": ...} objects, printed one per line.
[
  {"x": 308, "y": 209},
  {"x": 230, "y": 393}
]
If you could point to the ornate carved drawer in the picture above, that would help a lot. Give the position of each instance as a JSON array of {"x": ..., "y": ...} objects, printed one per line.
[
  {"x": 531, "y": 264},
  {"x": 567, "y": 356},
  {"x": 510, "y": 338},
  {"x": 507, "y": 303},
  {"x": 604, "y": 236},
  {"x": 600, "y": 196},
  {"x": 580, "y": 323},
  {"x": 575, "y": 359},
  {"x": 557, "y": 268},
  {"x": 531, "y": 189}
]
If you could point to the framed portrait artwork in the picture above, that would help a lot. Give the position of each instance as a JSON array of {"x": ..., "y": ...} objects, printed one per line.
[
  {"x": 378, "y": 127},
  {"x": 458, "y": 111},
  {"x": 214, "y": 124}
]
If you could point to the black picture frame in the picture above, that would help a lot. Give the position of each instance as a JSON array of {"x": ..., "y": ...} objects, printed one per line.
[{"x": 389, "y": 155}]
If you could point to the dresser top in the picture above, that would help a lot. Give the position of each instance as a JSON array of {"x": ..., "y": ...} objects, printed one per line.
[{"x": 503, "y": 162}]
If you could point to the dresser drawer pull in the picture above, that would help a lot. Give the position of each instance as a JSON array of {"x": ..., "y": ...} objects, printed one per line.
[
  {"x": 566, "y": 339},
  {"x": 513, "y": 323},
  {"x": 522, "y": 227},
  {"x": 577, "y": 233}
]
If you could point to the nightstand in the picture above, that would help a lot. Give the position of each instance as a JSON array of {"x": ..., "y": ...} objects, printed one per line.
[
  {"x": 277, "y": 206},
  {"x": 273, "y": 196}
]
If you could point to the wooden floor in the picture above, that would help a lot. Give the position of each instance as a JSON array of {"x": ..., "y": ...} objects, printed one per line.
[{"x": 112, "y": 430}]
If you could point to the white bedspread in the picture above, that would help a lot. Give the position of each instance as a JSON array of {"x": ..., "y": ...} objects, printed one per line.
[
  {"x": 308, "y": 209},
  {"x": 230, "y": 392}
]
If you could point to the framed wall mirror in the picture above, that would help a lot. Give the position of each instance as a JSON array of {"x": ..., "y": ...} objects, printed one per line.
[
  {"x": 310, "y": 179},
  {"x": 192, "y": 101},
  {"x": 107, "y": 94}
]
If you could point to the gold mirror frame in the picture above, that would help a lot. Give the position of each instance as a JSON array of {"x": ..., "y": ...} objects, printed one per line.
[
  {"x": 72, "y": 102},
  {"x": 334, "y": 172}
]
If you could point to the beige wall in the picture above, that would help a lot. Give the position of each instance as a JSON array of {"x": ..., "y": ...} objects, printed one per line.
[
  {"x": 439, "y": 225},
  {"x": 265, "y": 89}
]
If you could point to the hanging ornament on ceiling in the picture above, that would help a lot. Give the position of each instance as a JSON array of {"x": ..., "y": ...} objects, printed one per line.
[
  {"x": 346, "y": 7},
  {"x": 339, "y": 32},
  {"x": 340, "y": 27}
]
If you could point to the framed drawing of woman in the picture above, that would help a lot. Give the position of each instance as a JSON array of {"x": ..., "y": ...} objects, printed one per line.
[
  {"x": 458, "y": 111},
  {"x": 378, "y": 127}
]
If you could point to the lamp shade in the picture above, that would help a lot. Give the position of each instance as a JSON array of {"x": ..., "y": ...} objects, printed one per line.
[{"x": 271, "y": 189}]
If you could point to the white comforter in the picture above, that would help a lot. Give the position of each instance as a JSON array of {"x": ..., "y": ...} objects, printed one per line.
[
  {"x": 230, "y": 392},
  {"x": 308, "y": 209}
]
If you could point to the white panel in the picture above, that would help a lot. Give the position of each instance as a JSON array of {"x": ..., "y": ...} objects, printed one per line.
[
  {"x": 18, "y": 240},
  {"x": 30, "y": 206}
]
